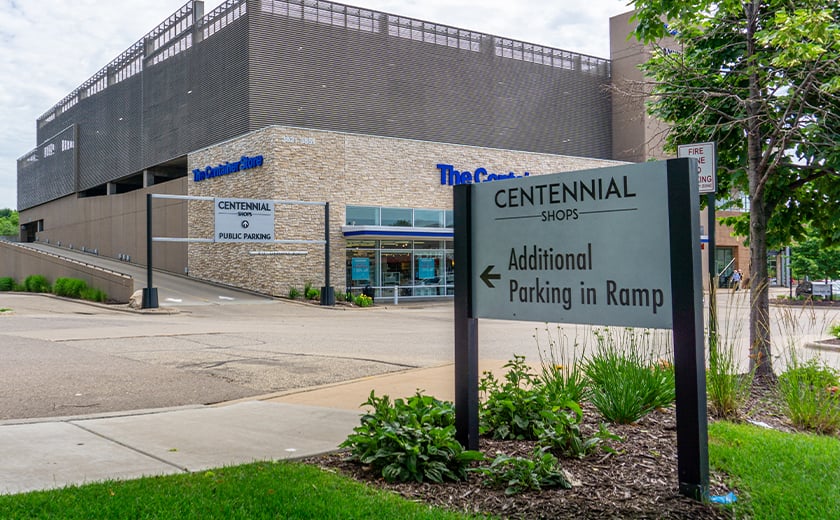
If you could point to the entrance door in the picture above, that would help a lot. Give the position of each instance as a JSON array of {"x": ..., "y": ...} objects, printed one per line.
[
  {"x": 28, "y": 231},
  {"x": 396, "y": 272},
  {"x": 724, "y": 264}
]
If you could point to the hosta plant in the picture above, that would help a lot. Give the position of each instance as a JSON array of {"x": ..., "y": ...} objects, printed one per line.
[
  {"x": 410, "y": 439},
  {"x": 517, "y": 474}
]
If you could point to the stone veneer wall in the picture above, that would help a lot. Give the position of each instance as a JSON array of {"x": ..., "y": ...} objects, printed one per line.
[{"x": 316, "y": 166}]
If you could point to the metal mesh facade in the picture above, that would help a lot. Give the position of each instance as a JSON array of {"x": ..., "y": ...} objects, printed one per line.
[
  {"x": 197, "y": 80},
  {"x": 49, "y": 171}
]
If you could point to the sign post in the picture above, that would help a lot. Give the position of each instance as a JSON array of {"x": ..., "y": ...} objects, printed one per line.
[
  {"x": 610, "y": 246},
  {"x": 706, "y": 155}
]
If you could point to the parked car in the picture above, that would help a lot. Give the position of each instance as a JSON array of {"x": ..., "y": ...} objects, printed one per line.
[{"x": 804, "y": 288}]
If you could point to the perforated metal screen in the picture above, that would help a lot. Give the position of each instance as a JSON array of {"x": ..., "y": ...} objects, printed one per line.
[{"x": 197, "y": 80}]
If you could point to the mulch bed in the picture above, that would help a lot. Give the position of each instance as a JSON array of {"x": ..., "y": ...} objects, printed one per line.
[
  {"x": 807, "y": 302},
  {"x": 640, "y": 481}
]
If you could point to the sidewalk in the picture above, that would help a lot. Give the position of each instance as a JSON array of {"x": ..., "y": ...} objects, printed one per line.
[{"x": 57, "y": 452}]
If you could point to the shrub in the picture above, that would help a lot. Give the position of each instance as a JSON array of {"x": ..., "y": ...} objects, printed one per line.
[
  {"x": 561, "y": 371},
  {"x": 517, "y": 474},
  {"x": 93, "y": 295},
  {"x": 294, "y": 293},
  {"x": 36, "y": 283},
  {"x": 834, "y": 330},
  {"x": 69, "y": 287},
  {"x": 628, "y": 382},
  {"x": 363, "y": 301},
  {"x": 524, "y": 408},
  {"x": 411, "y": 439},
  {"x": 311, "y": 293},
  {"x": 811, "y": 395},
  {"x": 561, "y": 434},
  {"x": 727, "y": 387},
  {"x": 513, "y": 409},
  {"x": 7, "y": 284}
]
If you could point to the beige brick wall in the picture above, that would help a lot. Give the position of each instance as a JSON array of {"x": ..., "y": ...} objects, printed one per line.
[{"x": 308, "y": 165}]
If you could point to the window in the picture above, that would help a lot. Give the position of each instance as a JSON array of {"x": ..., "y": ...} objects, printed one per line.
[
  {"x": 400, "y": 217},
  {"x": 362, "y": 216},
  {"x": 428, "y": 218}
]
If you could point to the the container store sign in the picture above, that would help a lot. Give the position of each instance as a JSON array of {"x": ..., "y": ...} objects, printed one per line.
[
  {"x": 243, "y": 220},
  {"x": 244, "y": 163}
]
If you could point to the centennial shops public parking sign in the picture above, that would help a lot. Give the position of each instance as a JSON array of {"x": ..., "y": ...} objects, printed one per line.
[
  {"x": 610, "y": 246},
  {"x": 243, "y": 220}
]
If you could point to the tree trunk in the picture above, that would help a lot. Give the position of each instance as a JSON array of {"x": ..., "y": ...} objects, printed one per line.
[
  {"x": 761, "y": 358},
  {"x": 760, "y": 350}
]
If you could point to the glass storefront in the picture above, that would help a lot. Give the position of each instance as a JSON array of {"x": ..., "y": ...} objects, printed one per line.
[{"x": 415, "y": 268}]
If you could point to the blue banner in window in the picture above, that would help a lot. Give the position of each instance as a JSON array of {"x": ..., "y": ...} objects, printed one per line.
[
  {"x": 360, "y": 268},
  {"x": 425, "y": 268}
]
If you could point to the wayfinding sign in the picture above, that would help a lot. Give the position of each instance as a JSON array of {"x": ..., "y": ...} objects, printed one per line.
[
  {"x": 610, "y": 246},
  {"x": 706, "y": 155},
  {"x": 581, "y": 247},
  {"x": 243, "y": 220}
]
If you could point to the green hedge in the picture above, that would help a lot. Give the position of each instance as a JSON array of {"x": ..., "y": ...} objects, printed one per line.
[
  {"x": 7, "y": 283},
  {"x": 36, "y": 283},
  {"x": 67, "y": 287}
]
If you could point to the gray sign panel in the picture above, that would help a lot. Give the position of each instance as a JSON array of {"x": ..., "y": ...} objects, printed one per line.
[
  {"x": 243, "y": 220},
  {"x": 581, "y": 247}
]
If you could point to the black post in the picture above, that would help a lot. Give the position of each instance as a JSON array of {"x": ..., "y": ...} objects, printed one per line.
[
  {"x": 150, "y": 295},
  {"x": 466, "y": 326},
  {"x": 689, "y": 359},
  {"x": 327, "y": 291},
  {"x": 713, "y": 281}
]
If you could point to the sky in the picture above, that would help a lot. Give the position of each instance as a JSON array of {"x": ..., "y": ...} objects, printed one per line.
[{"x": 50, "y": 47}]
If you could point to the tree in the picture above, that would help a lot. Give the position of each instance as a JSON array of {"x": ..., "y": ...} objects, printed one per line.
[
  {"x": 8, "y": 222},
  {"x": 810, "y": 258},
  {"x": 761, "y": 78}
]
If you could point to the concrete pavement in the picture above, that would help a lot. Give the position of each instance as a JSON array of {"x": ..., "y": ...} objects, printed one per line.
[
  {"x": 55, "y": 452},
  {"x": 40, "y": 454}
]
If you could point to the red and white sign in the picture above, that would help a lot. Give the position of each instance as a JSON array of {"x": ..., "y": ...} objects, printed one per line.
[{"x": 706, "y": 155}]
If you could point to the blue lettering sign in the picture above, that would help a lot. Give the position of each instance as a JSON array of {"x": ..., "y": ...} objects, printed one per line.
[
  {"x": 451, "y": 177},
  {"x": 244, "y": 163}
]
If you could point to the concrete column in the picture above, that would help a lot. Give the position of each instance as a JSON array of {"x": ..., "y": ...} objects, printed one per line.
[{"x": 198, "y": 14}]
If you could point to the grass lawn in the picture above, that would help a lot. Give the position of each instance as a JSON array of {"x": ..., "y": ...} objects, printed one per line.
[
  {"x": 779, "y": 475},
  {"x": 253, "y": 491}
]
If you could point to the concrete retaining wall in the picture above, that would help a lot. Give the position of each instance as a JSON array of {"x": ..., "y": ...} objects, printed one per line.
[{"x": 19, "y": 261}]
